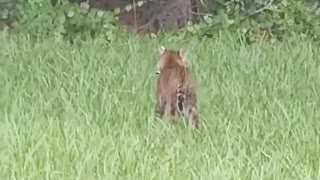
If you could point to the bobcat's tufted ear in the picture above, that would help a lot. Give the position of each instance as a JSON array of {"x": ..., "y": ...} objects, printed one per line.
[
  {"x": 183, "y": 55},
  {"x": 161, "y": 50}
]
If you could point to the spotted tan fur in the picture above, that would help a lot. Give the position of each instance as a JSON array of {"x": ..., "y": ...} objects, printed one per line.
[{"x": 176, "y": 92}]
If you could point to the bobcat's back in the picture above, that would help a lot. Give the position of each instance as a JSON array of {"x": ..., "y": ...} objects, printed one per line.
[{"x": 176, "y": 91}]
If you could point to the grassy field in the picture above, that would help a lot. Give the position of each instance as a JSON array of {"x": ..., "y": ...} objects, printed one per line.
[{"x": 86, "y": 111}]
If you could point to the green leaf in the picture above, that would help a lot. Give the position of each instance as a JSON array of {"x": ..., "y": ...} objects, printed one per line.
[
  {"x": 100, "y": 13},
  {"x": 208, "y": 19},
  {"x": 70, "y": 14},
  {"x": 85, "y": 5}
]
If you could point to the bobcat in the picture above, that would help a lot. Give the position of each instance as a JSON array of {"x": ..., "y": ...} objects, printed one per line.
[{"x": 176, "y": 92}]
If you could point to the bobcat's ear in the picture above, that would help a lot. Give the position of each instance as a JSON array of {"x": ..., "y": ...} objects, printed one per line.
[
  {"x": 183, "y": 55},
  {"x": 161, "y": 50}
]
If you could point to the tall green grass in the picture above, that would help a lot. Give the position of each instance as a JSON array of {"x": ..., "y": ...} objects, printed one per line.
[{"x": 86, "y": 111}]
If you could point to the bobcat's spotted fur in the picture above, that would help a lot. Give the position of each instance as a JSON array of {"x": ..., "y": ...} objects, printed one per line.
[{"x": 176, "y": 91}]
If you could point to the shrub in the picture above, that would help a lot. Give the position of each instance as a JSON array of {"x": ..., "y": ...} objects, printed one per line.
[
  {"x": 284, "y": 18},
  {"x": 61, "y": 19},
  {"x": 281, "y": 19}
]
